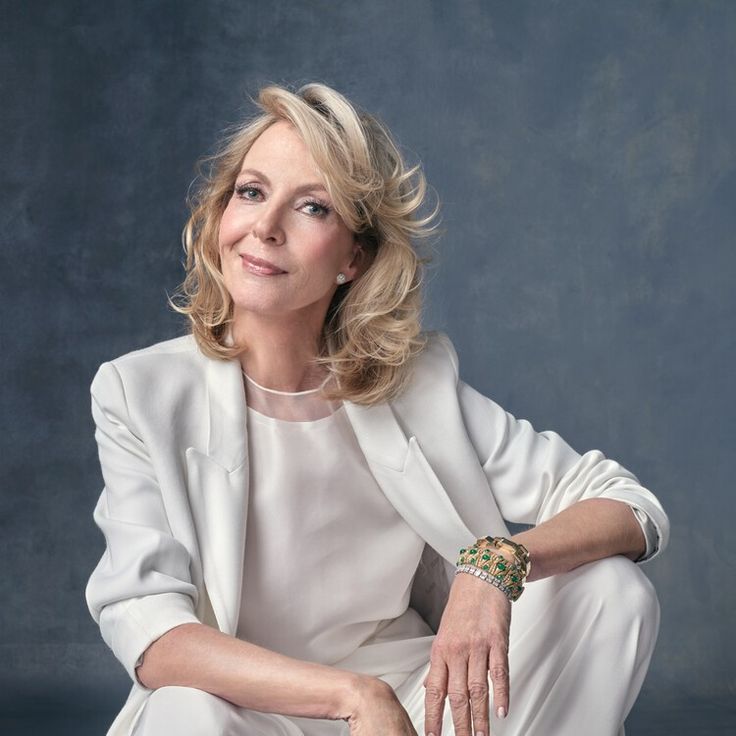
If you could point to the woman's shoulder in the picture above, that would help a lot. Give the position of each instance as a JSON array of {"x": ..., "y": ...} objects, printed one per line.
[
  {"x": 151, "y": 388},
  {"x": 173, "y": 358},
  {"x": 437, "y": 359},
  {"x": 434, "y": 371},
  {"x": 439, "y": 349}
]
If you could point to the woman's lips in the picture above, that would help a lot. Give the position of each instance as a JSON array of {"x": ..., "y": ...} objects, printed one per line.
[{"x": 260, "y": 267}]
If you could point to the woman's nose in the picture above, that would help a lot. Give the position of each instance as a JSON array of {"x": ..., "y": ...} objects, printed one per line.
[{"x": 267, "y": 226}]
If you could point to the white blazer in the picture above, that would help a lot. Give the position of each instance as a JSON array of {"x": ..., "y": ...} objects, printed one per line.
[{"x": 171, "y": 432}]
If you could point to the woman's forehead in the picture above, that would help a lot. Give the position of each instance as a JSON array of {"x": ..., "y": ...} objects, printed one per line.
[
  {"x": 281, "y": 144},
  {"x": 279, "y": 136}
]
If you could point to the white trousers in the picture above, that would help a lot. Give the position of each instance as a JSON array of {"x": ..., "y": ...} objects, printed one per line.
[{"x": 579, "y": 649}]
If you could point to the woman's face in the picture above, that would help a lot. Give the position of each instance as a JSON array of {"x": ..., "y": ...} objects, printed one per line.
[{"x": 280, "y": 214}]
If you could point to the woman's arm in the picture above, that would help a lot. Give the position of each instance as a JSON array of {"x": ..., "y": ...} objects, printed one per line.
[
  {"x": 199, "y": 656},
  {"x": 588, "y": 530},
  {"x": 535, "y": 477},
  {"x": 195, "y": 655}
]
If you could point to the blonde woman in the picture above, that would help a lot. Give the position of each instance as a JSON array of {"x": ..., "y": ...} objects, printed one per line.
[{"x": 278, "y": 480}]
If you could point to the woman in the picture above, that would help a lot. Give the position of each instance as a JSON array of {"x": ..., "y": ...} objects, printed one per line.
[{"x": 274, "y": 479}]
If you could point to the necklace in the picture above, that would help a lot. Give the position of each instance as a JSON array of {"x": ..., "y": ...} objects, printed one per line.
[{"x": 286, "y": 393}]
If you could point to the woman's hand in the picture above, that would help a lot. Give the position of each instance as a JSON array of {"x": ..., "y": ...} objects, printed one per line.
[
  {"x": 472, "y": 640},
  {"x": 379, "y": 711}
]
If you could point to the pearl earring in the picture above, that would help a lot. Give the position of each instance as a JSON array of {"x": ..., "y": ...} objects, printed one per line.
[{"x": 341, "y": 278}]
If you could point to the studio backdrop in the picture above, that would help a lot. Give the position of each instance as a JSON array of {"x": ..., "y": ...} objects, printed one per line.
[{"x": 584, "y": 156}]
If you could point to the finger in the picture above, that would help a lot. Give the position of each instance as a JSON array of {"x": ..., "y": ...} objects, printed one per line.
[
  {"x": 457, "y": 695},
  {"x": 479, "y": 692},
  {"x": 435, "y": 690},
  {"x": 498, "y": 665}
]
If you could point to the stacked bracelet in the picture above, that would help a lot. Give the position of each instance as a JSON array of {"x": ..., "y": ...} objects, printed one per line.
[{"x": 506, "y": 575}]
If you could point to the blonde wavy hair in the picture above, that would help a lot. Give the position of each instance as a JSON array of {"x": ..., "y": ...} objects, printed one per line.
[{"x": 372, "y": 326}]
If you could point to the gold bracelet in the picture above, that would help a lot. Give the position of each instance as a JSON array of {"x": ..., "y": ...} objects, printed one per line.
[{"x": 481, "y": 560}]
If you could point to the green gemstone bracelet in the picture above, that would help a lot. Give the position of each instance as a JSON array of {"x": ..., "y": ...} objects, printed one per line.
[{"x": 508, "y": 576}]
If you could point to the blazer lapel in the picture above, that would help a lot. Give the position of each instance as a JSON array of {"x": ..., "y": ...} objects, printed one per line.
[
  {"x": 406, "y": 477},
  {"x": 218, "y": 491}
]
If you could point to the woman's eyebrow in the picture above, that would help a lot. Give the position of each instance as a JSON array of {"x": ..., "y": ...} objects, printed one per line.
[{"x": 302, "y": 188}]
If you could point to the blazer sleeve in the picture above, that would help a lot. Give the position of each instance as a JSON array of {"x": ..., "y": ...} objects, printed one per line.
[
  {"x": 535, "y": 475},
  {"x": 141, "y": 587}
]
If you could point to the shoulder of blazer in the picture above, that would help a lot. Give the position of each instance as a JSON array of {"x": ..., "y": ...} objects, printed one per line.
[
  {"x": 175, "y": 359},
  {"x": 432, "y": 388},
  {"x": 437, "y": 364},
  {"x": 164, "y": 379}
]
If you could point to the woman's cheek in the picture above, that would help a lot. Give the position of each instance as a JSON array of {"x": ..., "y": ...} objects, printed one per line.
[{"x": 229, "y": 227}]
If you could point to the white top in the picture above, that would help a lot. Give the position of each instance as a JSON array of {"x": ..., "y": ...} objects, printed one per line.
[{"x": 329, "y": 562}]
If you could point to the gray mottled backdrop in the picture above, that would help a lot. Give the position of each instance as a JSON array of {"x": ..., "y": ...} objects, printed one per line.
[{"x": 585, "y": 156}]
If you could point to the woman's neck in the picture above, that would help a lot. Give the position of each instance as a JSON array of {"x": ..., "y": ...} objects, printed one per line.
[{"x": 280, "y": 355}]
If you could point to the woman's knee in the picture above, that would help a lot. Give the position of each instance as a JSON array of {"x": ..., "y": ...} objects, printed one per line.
[
  {"x": 623, "y": 591},
  {"x": 185, "y": 711}
]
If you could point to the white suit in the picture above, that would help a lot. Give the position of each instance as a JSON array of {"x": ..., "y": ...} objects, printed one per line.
[{"x": 171, "y": 431}]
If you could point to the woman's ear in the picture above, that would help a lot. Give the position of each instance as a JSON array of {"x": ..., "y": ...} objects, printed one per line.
[{"x": 358, "y": 264}]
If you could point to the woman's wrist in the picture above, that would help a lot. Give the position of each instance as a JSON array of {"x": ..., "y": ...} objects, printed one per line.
[{"x": 360, "y": 692}]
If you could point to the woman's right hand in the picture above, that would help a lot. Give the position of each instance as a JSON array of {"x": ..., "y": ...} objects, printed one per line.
[{"x": 377, "y": 710}]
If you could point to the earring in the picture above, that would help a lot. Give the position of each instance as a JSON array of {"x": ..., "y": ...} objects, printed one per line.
[{"x": 341, "y": 278}]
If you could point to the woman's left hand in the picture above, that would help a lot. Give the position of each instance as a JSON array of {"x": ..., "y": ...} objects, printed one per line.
[{"x": 472, "y": 640}]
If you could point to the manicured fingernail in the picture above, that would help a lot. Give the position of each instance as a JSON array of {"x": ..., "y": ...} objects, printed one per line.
[
  {"x": 479, "y": 733},
  {"x": 501, "y": 712}
]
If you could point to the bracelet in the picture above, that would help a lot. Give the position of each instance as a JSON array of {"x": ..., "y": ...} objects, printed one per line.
[
  {"x": 511, "y": 593},
  {"x": 496, "y": 570},
  {"x": 508, "y": 576}
]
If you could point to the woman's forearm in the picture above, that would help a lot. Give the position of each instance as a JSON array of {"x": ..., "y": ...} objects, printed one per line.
[
  {"x": 588, "y": 530},
  {"x": 199, "y": 656}
]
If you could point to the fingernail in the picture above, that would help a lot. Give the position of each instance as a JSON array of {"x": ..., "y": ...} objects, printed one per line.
[
  {"x": 501, "y": 712},
  {"x": 479, "y": 733}
]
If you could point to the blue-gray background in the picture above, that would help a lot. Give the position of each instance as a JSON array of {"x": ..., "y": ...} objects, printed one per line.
[{"x": 584, "y": 153}]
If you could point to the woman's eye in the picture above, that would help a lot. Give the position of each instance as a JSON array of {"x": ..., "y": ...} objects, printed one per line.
[
  {"x": 318, "y": 209},
  {"x": 247, "y": 191}
]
